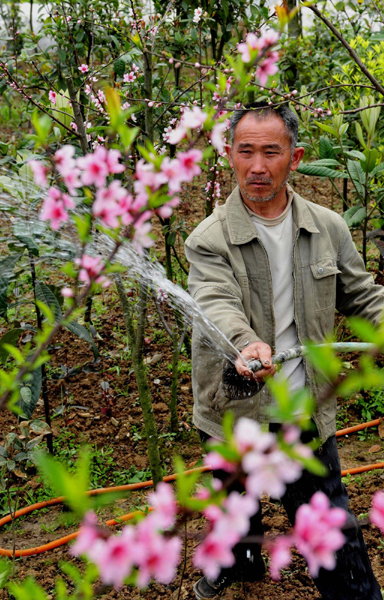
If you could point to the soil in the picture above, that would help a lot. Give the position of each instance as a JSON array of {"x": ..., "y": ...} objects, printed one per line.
[{"x": 101, "y": 409}]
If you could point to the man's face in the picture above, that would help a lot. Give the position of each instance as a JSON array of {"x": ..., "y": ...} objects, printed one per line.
[{"x": 262, "y": 159}]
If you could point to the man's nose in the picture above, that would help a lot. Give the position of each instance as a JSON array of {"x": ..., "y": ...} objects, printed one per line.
[{"x": 258, "y": 164}]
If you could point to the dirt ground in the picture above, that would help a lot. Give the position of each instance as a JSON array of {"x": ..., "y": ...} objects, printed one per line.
[{"x": 110, "y": 421}]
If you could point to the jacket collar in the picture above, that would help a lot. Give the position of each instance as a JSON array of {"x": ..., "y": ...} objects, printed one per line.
[{"x": 241, "y": 228}]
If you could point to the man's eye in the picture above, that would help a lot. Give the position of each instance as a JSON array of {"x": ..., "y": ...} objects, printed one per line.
[
  {"x": 271, "y": 153},
  {"x": 245, "y": 152}
]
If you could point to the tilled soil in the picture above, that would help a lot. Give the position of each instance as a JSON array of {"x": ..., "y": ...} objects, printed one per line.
[{"x": 109, "y": 419}]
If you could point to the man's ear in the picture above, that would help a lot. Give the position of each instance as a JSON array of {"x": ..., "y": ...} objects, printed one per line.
[
  {"x": 298, "y": 154},
  {"x": 228, "y": 149}
]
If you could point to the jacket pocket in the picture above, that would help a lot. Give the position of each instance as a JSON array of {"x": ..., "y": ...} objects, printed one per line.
[{"x": 323, "y": 282}]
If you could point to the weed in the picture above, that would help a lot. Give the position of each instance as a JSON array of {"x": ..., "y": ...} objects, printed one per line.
[
  {"x": 381, "y": 544},
  {"x": 136, "y": 435},
  {"x": 347, "y": 479},
  {"x": 362, "y": 516},
  {"x": 372, "y": 406}
]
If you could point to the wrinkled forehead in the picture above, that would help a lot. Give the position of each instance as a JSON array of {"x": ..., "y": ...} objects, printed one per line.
[{"x": 261, "y": 127}]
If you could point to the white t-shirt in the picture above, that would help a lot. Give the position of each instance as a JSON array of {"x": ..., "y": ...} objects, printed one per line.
[{"x": 277, "y": 238}]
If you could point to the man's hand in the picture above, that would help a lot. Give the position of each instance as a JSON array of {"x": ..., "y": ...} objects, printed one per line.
[{"x": 263, "y": 353}]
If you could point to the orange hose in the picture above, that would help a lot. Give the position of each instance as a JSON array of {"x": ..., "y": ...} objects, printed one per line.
[
  {"x": 363, "y": 469},
  {"x": 357, "y": 427},
  {"x": 60, "y": 499},
  {"x": 136, "y": 486}
]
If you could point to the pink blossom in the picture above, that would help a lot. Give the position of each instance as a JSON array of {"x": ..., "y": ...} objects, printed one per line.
[
  {"x": 194, "y": 118},
  {"x": 216, "y": 461},
  {"x": 54, "y": 208},
  {"x": 267, "y": 38},
  {"x": 238, "y": 509},
  {"x": 280, "y": 552},
  {"x": 171, "y": 168},
  {"x": 147, "y": 177},
  {"x": 213, "y": 554},
  {"x": 71, "y": 179},
  {"x": 90, "y": 269},
  {"x": 67, "y": 292},
  {"x": 176, "y": 135},
  {"x": 142, "y": 226},
  {"x": 197, "y": 15},
  {"x": 377, "y": 511},
  {"x": 156, "y": 556},
  {"x": 108, "y": 203},
  {"x": 83, "y": 68},
  {"x": 250, "y": 44},
  {"x": 88, "y": 533},
  {"x": 317, "y": 532},
  {"x": 166, "y": 210},
  {"x": 112, "y": 159},
  {"x": 164, "y": 504},
  {"x": 94, "y": 167},
  {"x": 253, "y": 42},
  {"x": 269, "y": 473},
  {"x": 188, "y": 163},
  {"x": 64, "y": 159},
  {"x": 115, "y": 557},
  {"x": 250, "y": 436},
  {"x": 191, "y": 119},
  {"x": 52, "y": 96},
  {"x": 267, "y": 67},
  {"x": 39, "y": 172},
  {"x": 217, "y": 136},
  {"x": 129, "y": 77},
  {"x": 74, "y": 126}
]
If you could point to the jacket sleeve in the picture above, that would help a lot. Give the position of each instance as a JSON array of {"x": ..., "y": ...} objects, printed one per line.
[
  {"x": 213, "y": 285},
  {"x": 357, "y": 293}
]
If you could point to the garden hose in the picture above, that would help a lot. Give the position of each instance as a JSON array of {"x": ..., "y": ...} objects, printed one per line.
[
  {"x": 136, "y": 486},
  {"x": 254, "y": 365},
  {"x": 298, "y": 351}
]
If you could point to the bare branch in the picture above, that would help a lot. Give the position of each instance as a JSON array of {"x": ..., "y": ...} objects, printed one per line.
[{"x": 352, "y": 53}]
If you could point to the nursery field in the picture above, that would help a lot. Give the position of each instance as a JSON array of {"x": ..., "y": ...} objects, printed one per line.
[{"x": 120, "y": 131}]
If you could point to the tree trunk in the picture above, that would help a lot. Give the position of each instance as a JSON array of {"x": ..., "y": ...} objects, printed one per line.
[{"x": 136, "y": 339}]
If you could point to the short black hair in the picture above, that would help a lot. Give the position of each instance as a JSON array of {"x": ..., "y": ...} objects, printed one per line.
[{"x": 262, "y": 110}]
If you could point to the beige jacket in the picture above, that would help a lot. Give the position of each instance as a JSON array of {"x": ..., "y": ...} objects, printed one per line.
[{"x": 230, "y": 279}]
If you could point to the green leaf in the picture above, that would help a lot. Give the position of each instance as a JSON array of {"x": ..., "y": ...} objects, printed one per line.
[
  {"x": 308, "y": 169},
  {"x": 327, "y": 128},
  {"x": 357, "y": 175},
  {"x": 119, "y": 67},
  {"x": 5, "y": 569},
  {"x": 29, "y": 243},
  {"x": 325, "y": 148},
  {"x": 326, "y": 162},
  {"x": 45, "y": 295},
  {"x": 27, "y": 590},
  {"x": 324, "y": 360},
  {"x": 73, "y": 487},
  {"x": 10, "y": 337},
  {"x": 83, "y": 333},
  {"x": 378, "y": 169},
  {"x": 8, "y": 264},
  {"x": 40, "y": 427},
  {"x": 355, "y": 215},
  {"x": 354, "y": 154},
  {"x": 30, "y": 393},
  {"x": 3, "y": 152}
]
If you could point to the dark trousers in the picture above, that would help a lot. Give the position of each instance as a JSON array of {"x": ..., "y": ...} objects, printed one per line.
[{"x": 353, "y": 578}]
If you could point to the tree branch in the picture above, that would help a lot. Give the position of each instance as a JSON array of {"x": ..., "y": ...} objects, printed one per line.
[{"x": 352, "y": 53}]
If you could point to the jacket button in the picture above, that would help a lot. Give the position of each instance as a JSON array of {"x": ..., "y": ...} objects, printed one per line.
[{"x": 320, "y": 270}]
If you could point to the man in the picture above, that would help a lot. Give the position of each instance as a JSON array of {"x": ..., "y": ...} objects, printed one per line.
[{"x": 269, "y": 268}]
